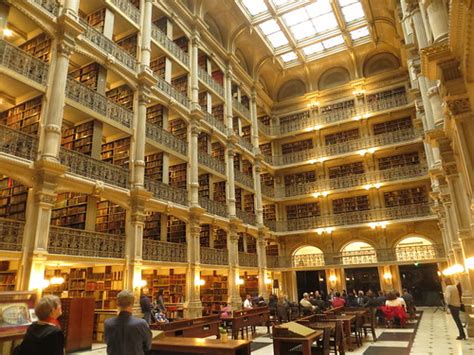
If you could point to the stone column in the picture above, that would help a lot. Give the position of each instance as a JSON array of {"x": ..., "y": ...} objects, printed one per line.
[
  {"x": 194, "y": 66},
  {"x": 230, "y": 184},
  {"x": 139, "y": 139},
  {"x": 146, "y": 33},
  {"x": 193, "y": 305},
  {"x": 438, "y": 19},
  {"x": 436, "y": 106},
  {"x": 228, "y": 113},
  {"x": 262, "y": 265},
  {"x": 258, "y": 191},
  {"x": 4, "y": 11},
  {"x": 193, "y": 133},
  {"x": 233, "y": 250},
  {"x": 254, "y": 118}
]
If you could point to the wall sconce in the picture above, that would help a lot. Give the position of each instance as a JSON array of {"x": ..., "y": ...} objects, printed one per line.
[
  {"x": 320, "y": 231},
  {"x": 362, "y": 152},
  {"x": 239, "y": 281},
  {"x": 371, "y": 150},
  {"x": 325, "y": 193},
  {"x": 316, "y": 194},
  {"x": 455, "y": 269},
  {"x": 387, "y": 276},
  {"x": 313, "y": 104},
  {"x": 358, "y": 92},
  {"x": 312, "y": 161},
  {"x": 201, "y": 282},
  {"x": 322, "y": 160},
  {"x": 367, "y": 187},
  {"x": 372, "y": 225},
  {"x": 333, "y": 278},
  {"x": 377, "y": 185},
  {"x": 267, "y": 281},
  {"x": 42, "y": 284},
  {"x": 56, "y": 280}
]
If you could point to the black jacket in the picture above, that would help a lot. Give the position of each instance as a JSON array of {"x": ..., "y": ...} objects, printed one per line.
[{"x": 42, "y": 339}]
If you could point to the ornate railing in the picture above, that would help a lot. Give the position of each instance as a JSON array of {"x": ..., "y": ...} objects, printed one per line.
[
  {"x": 158, "y": 250},
  {"x": 22, "y": 63},
  {"x": 308, "y": 260},
  {"x": 267, "y": 130},
  {"x": 128, "y": 9},
  {"x": 209, "y": 80},
  {"x": 78, "y": 242},
  {"x": 164, "y": 137},
  {"x": 214, "y": 122},
  {"x": 210, "y": 256},
  {"x": 18, "y": 143},
  {"x": 387, "y": 103},
  {"x": 359, "y": 257},
  {"x": 268, "y": 191},
  {"x": 211, "y": 162},
  {"x": 170, "y": 90},
  {"x": 279, "y": 262},
  {"x": 169, "y": 45},
  {"x": 336, "y": 115},
  {"x": 91, "y": 99},
  {"x": 167, "y": 192},
  {"x": 213, "y": 207},
  {"x": 52, "y": 6},
  {"x": 248, "y": 259},
  {"x": 246, "y": 217},
  {"x": 241, "y": 108},
  {"x": 99, "y": 40},
  {"x": 243, "y": 179},
  {"x": 244, "y": 143},
  {"x": 86, "y": 166},
  {"x": 11, "y": 234},
  {"x": 419, "y": 252}
]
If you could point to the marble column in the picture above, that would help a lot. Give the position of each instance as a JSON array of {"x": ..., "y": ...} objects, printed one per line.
[
  {"x": 258, "y": 192},
  {"x": 233, "y": 286},
  {"x": 193, "y": 134},
  {"x": 436, "y": 106},
  {"x": 193, "y": 305},
  {"x": 262, "y": 265},
  {"x": 438, "y": 19},
  {"x": 230, "y": 183}
]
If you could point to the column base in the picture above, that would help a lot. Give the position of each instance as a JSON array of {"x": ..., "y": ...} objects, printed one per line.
[{"x": 193, "y": 309}]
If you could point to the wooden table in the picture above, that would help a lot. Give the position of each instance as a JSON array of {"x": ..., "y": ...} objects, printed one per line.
[
  {"x": 347, "y": 320},
  {"x": 282, "y": 345},
  {"x": 171, "y": 345}
]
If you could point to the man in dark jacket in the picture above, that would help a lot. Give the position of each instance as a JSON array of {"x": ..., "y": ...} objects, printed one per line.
[
  {"x": 145, "y": 304},
  {"x": 126, "y": 334}
]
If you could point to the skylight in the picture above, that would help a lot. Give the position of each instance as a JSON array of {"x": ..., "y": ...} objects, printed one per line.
[
  {"x": 359, "y": 33},
  {"x": 289, "y": 57},
  {"x": 255, "y": 7}
]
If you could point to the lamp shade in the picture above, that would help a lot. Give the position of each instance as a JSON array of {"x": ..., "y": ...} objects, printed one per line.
[{"x": 276, "y": 284}]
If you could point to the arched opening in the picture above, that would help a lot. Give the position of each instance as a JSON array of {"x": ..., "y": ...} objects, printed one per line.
[
  {"x": 415, "y": 248},
  {"x": 307, "y": 256},
  {"x": 291, "y": 88},
  {"x": 333, "y": 77},
  {"x": 358, "y": 253},
  {"x": 380, "y": 63}
]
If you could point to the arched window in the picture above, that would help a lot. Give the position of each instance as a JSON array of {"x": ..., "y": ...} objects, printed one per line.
[
  {"x": 415, "y": 248},
  {"x": 308, "y": 256},
  {"x": 358, "y": 253}
]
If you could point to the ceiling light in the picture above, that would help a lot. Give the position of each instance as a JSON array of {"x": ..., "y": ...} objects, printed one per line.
[
  {"x": 289, "y": 57},
  {"x": 7, "y": 32}
]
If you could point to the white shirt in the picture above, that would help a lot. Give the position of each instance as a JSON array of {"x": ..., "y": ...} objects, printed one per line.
[
  {"x": 306, "y": 304},
  {"x": 402, "y": 301},
  {"x": 393, "y": 303},
  {"x": 451, "y": 295},
  {"x": 247, "y": 303}
]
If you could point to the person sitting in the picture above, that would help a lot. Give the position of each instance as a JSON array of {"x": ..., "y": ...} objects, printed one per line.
[
  {"x": 361, "y": 299},
  {"x": 402, "y": 300},
  {"x": 352, "y": 300},
  {"x": 370, "y": 300},
  {"x": 248, "y": 302},
  {"x": 319, "y": 303},
  {"x": 283, "y": 309},
  {"x": 394, "y": 310},
  {"x": 306, "y": 305},
  {"x": 225, "y": 310},
  {"x": 410, "y": 303},
  {"x": 338, "y": 301},
  {"x": 261, "y": 302},
  {"x": 272, "y": 304}
]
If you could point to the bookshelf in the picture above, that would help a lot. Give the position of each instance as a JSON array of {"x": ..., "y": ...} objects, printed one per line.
[
  {"x": 154, "y": 114},
  {"x": 406, "y": 197},
  {"x": 70, "y": 210},
  {"x": 300, "y": 178},
  {"x": 218, "y": 112},
  {"x": 298, "y": 146},
  {"x": 122, "y": 95},
  {"x": 178, "y": 128},
  {"x": 203, "y": 142},
  {"x": 335, "y": 109},
  {"x": 154, "y": 166},
  {"x": 13, "y": 196},
  {"x": 177, "y": 176},
  {"x": 240, "y": 243},
  {"x": 271, "y": 249},
  {"x": 266, "y": 149},
  {"x": 7, "y": 276},
  {"x": 265, "y": 120},
  {"x": 218, "y": 77},
  {"x": 159, "y": 66},
  {"x": 202, "y": 98},
  {"x": 129, "y": 44},
  {"x": 399, "y": 160},
  {"x": 237, "y": 158},
  {"x": 339, "y": 171},
  {"x": 161, "y": 23},
  {"x": 39, "y": 47},
  {"x": 110, "y": 218},
  {"x": 205, "y": 235},
  {"x": 183, "y": 43},
  {"x": 393, "y": 125},
  {"x": 251, "y": 244},
  {"x": 303, "y": 210},
  {"x": 173, "y": 284},
  {"x": 235, "y": 125},
  {"x": 294, "y": 117},
  {"x": 269, "y": 212},
  {"x": 79, "y": 138},
  {"x": 245, "y": 101},
  {"x": 247, "y": 132},
  {"x": 250, "y": 285},
  {"x": 238, "y": 198},
  {"x": 341, "y": 137},
  {"x": 214, "y": 292},
  {"x": 220, "y": 239},
  {"x": 247, "y": 167},
  {"x": 180, "y": 83},
  {"x": 218, "y": 151},
  {"x": 87, "y": 75},
  {"x": 202, "y": 62},
  {"x": 117, "y": 152},
  {"x": 97, "y": 19},
  {"x": 386, "y": 94},
  {"x": 219, "y": 192},
  {"x": 24, "y": 117},
  {"x": 152, "y": 228},
  {"x": 267, "y": 179},
  {"x": 176, "y": 230},
  {"x": 350, "y": 204},
  {"x": 204, "y": 185},
  {"x": 249, "y": 203}
]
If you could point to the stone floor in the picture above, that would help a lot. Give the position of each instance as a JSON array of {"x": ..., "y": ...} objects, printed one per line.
[{"x": 434, "y": 335}]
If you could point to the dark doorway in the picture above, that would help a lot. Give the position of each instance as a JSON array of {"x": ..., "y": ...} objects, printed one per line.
[
  {"x": 366, "y": 278},
  {"x": 422, "y": 281},
  {"x": 310, "y": 281}
]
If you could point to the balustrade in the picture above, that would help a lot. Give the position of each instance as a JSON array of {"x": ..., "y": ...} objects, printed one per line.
[
  {"x": 52, "y": 6},
  {"x": 170, "y": 90},
  {"x": 241, "y": 108},
  {"x": 211, "y": 162},
  {"x": 248, "y": 259},
  {"x": 210, "y": 256},
  {"x": 358, "y": 257},
  {"x": 18, "y": 143},
  {"x": 387, "y": 103},
  {"x": 268, "y": 191},
  {"x": 209, "y": 80},
  {"x": 167, "y": 192},
  {"x": 165, "y": 138},
  {"x": 158, "y": 250},
  {"x": 78, "y": 242},
  {"x": 214, "y": 122},
  {"x": 419, "y": 252},
  {"x": 169, "y": 45},
  {"x": 243, "y": 179},
  {"x": 246, "y": 217},
  {"x": 244, "y": 143},
  {"x": 11, "y": 234},
  {"x": 308, "y": 260},
  {"x": 267, "y": 130},
  {"x": 128, "y": 9},
  {"x": 213, "y": 207}
]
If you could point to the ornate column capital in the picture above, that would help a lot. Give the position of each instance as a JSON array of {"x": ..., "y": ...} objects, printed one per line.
[
  {"x": 432, "y": 91},
  {"x": 195, "y": 39}
]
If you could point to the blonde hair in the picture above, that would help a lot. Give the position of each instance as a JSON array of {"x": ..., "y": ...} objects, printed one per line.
[{"x": 46, "y": 305}]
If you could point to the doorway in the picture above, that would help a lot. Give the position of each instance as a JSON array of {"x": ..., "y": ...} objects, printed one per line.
[
  {"x": 310, "y": 281},
  {"x": 423, "y": 282},
  {"x": 364, "y": 279}
]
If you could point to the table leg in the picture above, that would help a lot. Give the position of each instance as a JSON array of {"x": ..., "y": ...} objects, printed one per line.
[
  {"x": 349, "y": 336},
  {"x": 306, "y": 347}
]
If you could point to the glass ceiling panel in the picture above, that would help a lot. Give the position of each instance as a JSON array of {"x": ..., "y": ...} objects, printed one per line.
[
  {"x": 277, "y": 39},
  {"x": 325, "y": 22},
  {"x": 353, "y": 12},
  {"x": 359, "y": 33},
  {"x": 289, "y": 57},
  {"x": 269, "y": 27},
  {"x": 314, "y": 48},
  {"x": 255, "y": 7}
]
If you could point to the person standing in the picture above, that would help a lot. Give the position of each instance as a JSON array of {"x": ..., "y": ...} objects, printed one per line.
[
  {"x": 126, "y": 334},
  {"x": 451, "y": 296},
  {"x": 145, "y": 305},
  {"x": 44, "y": 336}
]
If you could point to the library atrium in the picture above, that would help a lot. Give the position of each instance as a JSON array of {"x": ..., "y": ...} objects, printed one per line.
[{"x": 207, "y": 150}]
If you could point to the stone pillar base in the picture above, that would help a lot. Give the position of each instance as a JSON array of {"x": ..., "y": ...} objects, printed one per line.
[{"x": 193, "y": 309}]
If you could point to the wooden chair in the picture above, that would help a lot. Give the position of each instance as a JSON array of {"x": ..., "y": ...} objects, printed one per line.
[{"x": 369, "y": 323}]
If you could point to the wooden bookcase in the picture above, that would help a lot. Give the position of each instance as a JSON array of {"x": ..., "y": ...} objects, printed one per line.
[
  {"x": 218, "y": 77},
  {"x": 245, "y": 101},
  {"x": 294, "y": 117},
  {"x": 178, "y": 128},
  {"x": 70, "y": 210},
  {"x": 79, "y": 138},
  {"x": 406, "y": 197},
  {"x": 203, "y": 142},
  {"x": 399, "y": 160},
  {"x": 251, "y": 244},
  {"x": 152, "y": 228},
  {"x": 303, "y": 210},
  {"x": 110, "y": 218},
  {"x": 159, "y": 66},
  {"x": 154, "y": 166},
  {"x": 240, "y": 243},
  {"x": 351, "y": 204},
  {"x": 180, "y": 83},
  {"x": 202, "y": 98},
  {"x": 341, "y": 137},
  {"x": 218, "y": 112},
  {"x": 205, "y": 235},
  {"x": 161, "y": 23},
  {"x": 122, "y": 95},
  {"x": 154, "y": 114},
  {"x": 334, "y": 109},
  {"x": 176, "y": 230},
  {"x": 293, "y": 147},
  {"x": 250, "y": 286},
  {"x": 214, "y": 292},
  {"x": 219, "y": 192},
  {"x": 220, "y": 239},
  {"x": 267, "y": 179},
  {"x": 300, "y": 178},
  {"x": 266, "y": 149},
  {"x": 238, "y": 198},
  {"x": 129, "y": 44},
  {"x": 269, "y": 212},
  {"x": 218, "y": 151},
  {"x": 247, "y": 167},
  {"x": 235, "y": 125},
  {"x": 249, "y": 203},
  {"x": 173, "y": 285},
  {"x": 87, "y": 75},
  {"x": 24, "y": 117},
  {"x": 247, "y": 132},
  {"x": 183, "y": 43},
  {"x": 39, "y": 47},
  {"x": 13, "y": 196},
  {"x": 265, "y": 120},
  {"x": 339, "y": 171},
  {"x": 237, "y": 159},
  {"x": 177, "y": 176},
  {"x": 117, "y": 152},
  {"x": 202, "y": 62},
  {"x": 7, "y": 276},
  {"x": 204, "y": 185},
  {"x": 97, "y": 19},
  {"x": 393, "y": 125},
  {"x": 271, "y": 249}
]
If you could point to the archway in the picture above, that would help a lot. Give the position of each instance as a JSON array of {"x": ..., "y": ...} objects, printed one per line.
[
  {"x": 308, "y": 256},
  {"x": 415, "y": 248},
  {"x": 358, "y": 253}
]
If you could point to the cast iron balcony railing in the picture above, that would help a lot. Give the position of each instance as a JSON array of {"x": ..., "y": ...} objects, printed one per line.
[
  {"x": 159, "y": 135},
  {"x": 246, "y": 217},
  {"x": 210, "y": 256},
  {"x": 243, "y": 179},
  {"x": 248, "y": 259},
  {"x": 267, "y": 130},
  {"x": 96, "y": 102},
  {"x": 276, "y": 262},
  {"x": 213, "y": 207},
  {"x": 387, "y": 103},
  {"x": 11, "y": 234},
  {"x": 78, "y": 242},
  {"x": 241, "y": 108},
  {"x": 169, "y": 45},
  {"x": 95, "y": 169},
  {"x": 214, "y": 122},
  {"x": 97, "y": 39},
  {"x": 211, "y": 162},
  {"x": 128, "y": 9},
  {"x": 171, "y": 91},
  {"x": 419, "y": 252},
  {"x": 209, "y": 80},
  {"x": 17, "y": 143},
  {"x": 268, "y": 191},
  {"x": 22, "y": 63},
  {"x": 358, "y": 257},
  {"x": 158, "y": 250},
  {"x": 244, "y": 143},
  {"x": 51, "y": 6},
  {"x": 307, "y": 260},
  {"x": 167, "y": 192}
]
